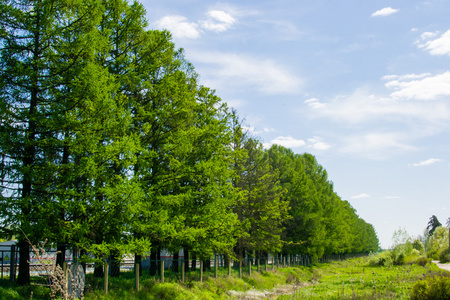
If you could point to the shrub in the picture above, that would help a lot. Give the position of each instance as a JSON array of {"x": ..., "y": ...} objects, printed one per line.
[
  {"x": 399, "y": 258},
  {"x": 433, "y": 288},
  {"x": 382, "y": 259},
  {"x": 417, "y": 245},
  {"x": 443, "y": 255},
  {"x": 422, "y": 261},
  {"x": 415, "y": 252}
]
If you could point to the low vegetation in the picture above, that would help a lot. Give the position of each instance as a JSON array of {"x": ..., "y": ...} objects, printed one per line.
[{"x": 359, "y": 278}]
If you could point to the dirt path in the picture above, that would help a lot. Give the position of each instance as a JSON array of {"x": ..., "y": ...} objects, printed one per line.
[
  {"x": 288, "y": 289},
  {"x": 442, "y": 266}
]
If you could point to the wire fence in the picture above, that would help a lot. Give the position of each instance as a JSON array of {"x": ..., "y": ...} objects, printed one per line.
[{"x": 168, "y": 268}]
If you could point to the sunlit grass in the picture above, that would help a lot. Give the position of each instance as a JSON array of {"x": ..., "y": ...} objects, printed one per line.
[
  {"x": 355, "y": 279},
  {"x": 351, "y": 279}
]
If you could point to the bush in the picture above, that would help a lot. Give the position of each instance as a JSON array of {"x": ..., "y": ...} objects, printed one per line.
[
  {"x": 435, "y": 288},
  {"x": 382, "y": 259},
  {"x": 415, "y": 252},
  {"x": 422, "y": 261},
  {"x": 417, "y": 245},
  {"x": 443, "y": 255}
]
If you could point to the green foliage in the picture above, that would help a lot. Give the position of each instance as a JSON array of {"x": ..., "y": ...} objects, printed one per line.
[
  {"x": 261, "y": 207},
  {"x": 398, "y": 256},
  {"x": 432, "y": 288},
  {"x": 354, "y": 279},
  {"x": 437, "y": 242},
  {"x": 15, "y": 292},
  {"x": 417, "y": 244},
  {"x": 109, "y": 143},
  {"x": 382, "y": 259},
  {"x": 444, "y": 255},
  {"x": 401, "y": 237},
  {"x": 210, "y": 288},
  {"x": 433, "y": 223},
  {"x": 320, "y": 222}
]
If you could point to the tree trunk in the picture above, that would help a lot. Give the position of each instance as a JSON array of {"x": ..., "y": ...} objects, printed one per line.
[
  {"x": 60, "y": 255},
  {"x": 207, "y": 264},
  {"x": 24, "y": 265},
  {"x": 115, "y": 264},
  {"x": 194, "y": 262},
  {"x": 175, "y": 261},
  {"x": 138, "y": 260},
  {"x": 98, "y": 270},
  {"x": 158, "y": 259},
  {"x": 153, "y": 265},
  {"x": 186, "y": 259}
]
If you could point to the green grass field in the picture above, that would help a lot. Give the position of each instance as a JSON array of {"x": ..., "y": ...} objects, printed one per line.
[
  {"x": 351, "y": 279},
  {"x": 355, "y": 279}
]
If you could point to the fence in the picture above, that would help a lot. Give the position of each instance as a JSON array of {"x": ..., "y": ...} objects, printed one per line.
[
  {"x": 8, "y": 261},
  {"x": 165, "y": 269}
]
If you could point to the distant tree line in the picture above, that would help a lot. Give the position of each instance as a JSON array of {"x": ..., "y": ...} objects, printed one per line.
[{"x": 109, "y": 144}]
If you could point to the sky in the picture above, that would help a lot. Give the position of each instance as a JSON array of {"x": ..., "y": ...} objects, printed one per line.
[{"x": 362, "y": 85}]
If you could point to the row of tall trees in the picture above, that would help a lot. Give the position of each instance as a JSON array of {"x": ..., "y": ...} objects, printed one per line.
[{"x": 108, "y": 143}]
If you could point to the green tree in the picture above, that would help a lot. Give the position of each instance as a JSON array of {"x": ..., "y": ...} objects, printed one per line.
[
  {"x": 261, "y": 209},
  {"x": 305, "y": 231},
  {"x": 42, "y": 48},
  {"x": 433, "y": 223}
]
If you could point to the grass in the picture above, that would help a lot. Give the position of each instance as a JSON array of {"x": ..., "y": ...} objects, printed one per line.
[
  {"x": 210, "y": 288},
  {"x": 351, "y": 279},
  {"x": 355, "y": 279}
]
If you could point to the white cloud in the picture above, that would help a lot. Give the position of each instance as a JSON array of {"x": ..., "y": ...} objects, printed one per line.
[
  {"x": 362, "y": 106},
  {"x": 405, "y": 77},
  {"x": 426, "y": 88},
  {"x": 439, "y": 46},
  {"x": 252, "y": 130},
  {"x": 286, "y": 141},
  {"x": 361, "y": 196},
  {"x": 316, "y": 143},
  {"x": 314, "y": 103},
  {"x": 384, "y": 12},
  {"x": 218, "y": 21},
  {"x": 179, "y": 27},
  {"x": 412, "y": 119},
  {"x": 269, "y": 130},
  {"x": 427, "y": 162},
  {"x": 428, "y": 35},
  {"x": 229, "y": 70},
  {"x": 375, "y": 145}
]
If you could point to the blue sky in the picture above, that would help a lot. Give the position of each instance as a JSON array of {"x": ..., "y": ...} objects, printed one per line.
[{"x": 362, "y": 85}]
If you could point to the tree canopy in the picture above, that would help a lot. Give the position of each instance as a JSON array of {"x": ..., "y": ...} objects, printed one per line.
[{"x": 109, "y": 143}]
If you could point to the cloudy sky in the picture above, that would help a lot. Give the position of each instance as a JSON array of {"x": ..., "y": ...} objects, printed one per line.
[{"x": 362, "y": 85}]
